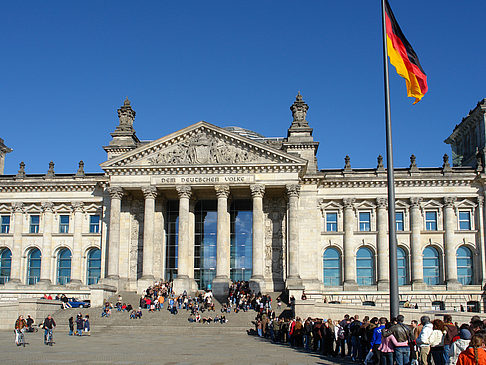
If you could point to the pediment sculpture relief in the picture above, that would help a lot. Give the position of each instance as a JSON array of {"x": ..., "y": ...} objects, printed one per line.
[{"x": 203, "y": 148}]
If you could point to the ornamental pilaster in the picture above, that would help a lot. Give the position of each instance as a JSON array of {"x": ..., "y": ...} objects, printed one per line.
[
  {"x": 184, "y": 191},
  {"x": 449, "y": 245},
  {"x": 222, "y": 191},
  {"x": 257, "y": 190},
  {"x": 349, "y": 244},
  {"x": 258, "y": 238},
  {"x": 150, "y": 193},
  {"x": 382, "y": 243}
]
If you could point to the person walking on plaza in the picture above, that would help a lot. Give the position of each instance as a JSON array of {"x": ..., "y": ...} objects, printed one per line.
[
  {"x": 79, "y": 325},
  {"x": 71, "y": 326},
  {"x": 423, "y": 340},
  {"x": 20, "y": 325},
  {"x": 87, "y": 327},
  {"x": 48, "y": 325}
]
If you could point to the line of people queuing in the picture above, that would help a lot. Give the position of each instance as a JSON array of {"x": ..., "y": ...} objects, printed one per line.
[{"x": 382, "y": 342}]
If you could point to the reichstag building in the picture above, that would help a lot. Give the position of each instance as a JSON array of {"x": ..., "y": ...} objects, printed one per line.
[{"x": 206, "y": 205}]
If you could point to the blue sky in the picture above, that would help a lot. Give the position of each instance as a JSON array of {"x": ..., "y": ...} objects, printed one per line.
[{"x": 67, "y": 66}]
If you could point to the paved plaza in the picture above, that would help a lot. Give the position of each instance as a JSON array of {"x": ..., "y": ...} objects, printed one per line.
[{"x": 197, "y": 344}]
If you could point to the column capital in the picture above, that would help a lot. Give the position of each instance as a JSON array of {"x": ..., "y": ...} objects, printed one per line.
[
  {"x": 149, "y": 192},
  {"x": 18, "y": 207},
  {"x": 480, "y": 200},
  {"x": 77, "y": 207},
  {"x": 184, "y": 191},
  {"x": 449, "y": 201},
  {"x": 293, "y": 190},
  {"x": 47, "y": 207},
  {"x": 348, "y": 202},
  {"x": 415, "y": 202},
  {"x": 116, "y": 192},
  {"x": 382, "y": 203},
  {"x": 222, "y": 191},
  {"x": 257, "y": 190}
]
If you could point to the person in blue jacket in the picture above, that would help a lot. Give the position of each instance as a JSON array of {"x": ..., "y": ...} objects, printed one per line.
[{"x": 376, "y": 340}]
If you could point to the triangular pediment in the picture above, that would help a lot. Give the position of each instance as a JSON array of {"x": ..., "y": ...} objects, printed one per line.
[{"x": 202, "y": 144}]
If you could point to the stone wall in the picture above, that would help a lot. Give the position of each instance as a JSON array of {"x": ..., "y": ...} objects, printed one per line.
[{"x": 38, "y": 309}]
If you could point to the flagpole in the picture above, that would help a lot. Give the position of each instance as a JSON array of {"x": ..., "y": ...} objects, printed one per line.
[{"x": 394, "y": 299}]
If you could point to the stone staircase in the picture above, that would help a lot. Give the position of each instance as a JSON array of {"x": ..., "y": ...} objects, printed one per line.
[{"x": 120, "y": 320}]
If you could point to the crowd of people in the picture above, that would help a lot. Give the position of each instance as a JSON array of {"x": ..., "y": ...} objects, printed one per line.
[
  {"x": 380, "y": 341},
  {"x": 82, "y": 325}
]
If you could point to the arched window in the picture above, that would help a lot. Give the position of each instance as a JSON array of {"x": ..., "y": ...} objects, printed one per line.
[
  {"x": 63, "y": 266},
  {"x": 365, "y": 267},
  {"x": 33, "y": 266},
  {"x": 332, "y": 267},
  {"x": 431, "y": 266},
  {"x": 402, "y": 266},
  {"x": 93, "y": 271},
  {"x": 464, "y": 265},
  {"x": 5, "y": 265}
]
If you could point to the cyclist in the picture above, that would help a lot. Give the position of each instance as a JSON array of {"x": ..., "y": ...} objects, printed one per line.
[
  {"x": 48, "y": 326},
  {"x": 20, "y": 326}
]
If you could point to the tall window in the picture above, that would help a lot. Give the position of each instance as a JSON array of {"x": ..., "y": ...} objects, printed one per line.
[
  {"x": 241, "y": 223},
  {"x": 206, "y": 221},
  {"x": 431, "y": 221},
  {"x": 431, "y": 266},
  {"x": 5, "y": 265},
  {"x": 5, "y": 227},
  {"x": 399, "y": 221},
  {"x": 332, "y": 267},
  {"x": 93, "y": 271},
  {"x": 172, "y": 239},
  {"x": 63, "y": 266},
  {"x": 464, "y": 220},
  {"x": 33, "y": 266},
  {"x": 94, "y": 224},
  {"x": 63, "y": 224},
  {"x": 34, "y": 224},
  {"x": 331, "y": 222},
  {"x": 464, "y": 265},
  {"x": 365, "y": 221},
  {"x": 365, "y": 267},
  {"x": 402, "y": 266}
]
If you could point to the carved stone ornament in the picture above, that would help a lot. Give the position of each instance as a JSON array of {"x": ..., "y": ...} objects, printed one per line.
[
  {"x": 78, "y": 207},
  {"x": 257, "y": 190},
  {"x": 449, "y": 201},
  {"x": 50, "y": 172},
  {"x": 18, "y": 207},
  {"x": 480, "y": 200},
  {"x": 47, "y": 207},
  {"x": 205, "y": 148},
  {"x": 21, "y": 173},
  {"x": 349, "y": 203},
  {"x": 149, "y": 192},
  {"x": 413, "y": 163},
  {"x": 293, "y": 190},
  {"x": 184, "y": 191},
  {"x": 446, "y": 165},
  {"x": 299, "y": 112},
  {"x": 380, "y": 166},
  {"x": 347, "y": 163},
  {"x": 382, "y": 202},
  {"x": 415, "y": 202},
  {"x": 222, "y": 191},
  {"x": 80, "y": 172},
  {"x": 115, "y": 192},
  {"x": 126, "y": 116}
]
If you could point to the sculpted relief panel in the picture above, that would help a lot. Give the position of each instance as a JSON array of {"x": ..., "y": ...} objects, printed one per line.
[
  {"x": 275, "y": 228},
  {"x": 204, "y": 148}
]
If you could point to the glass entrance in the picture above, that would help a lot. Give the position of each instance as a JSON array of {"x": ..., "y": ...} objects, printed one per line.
[
  {"x": 241, "y": 239},
  {"x": 206, "y": 220}
]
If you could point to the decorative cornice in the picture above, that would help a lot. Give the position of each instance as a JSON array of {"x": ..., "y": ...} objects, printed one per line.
[
  {"x": 149, "y": 192},
  {"x": 18, "y": 207},
  {"x": 348, "y": 183},
  {"x": 293, "y": 190},
  {"x": 184, "y": 191},
  {"x": 222, "y": 191},
  {"x": 115, "y": 192},
  {"x": 257, "y": 190},
  {"x": 46, "y": 187}
]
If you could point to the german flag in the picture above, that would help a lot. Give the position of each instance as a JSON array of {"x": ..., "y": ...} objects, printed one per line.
[{"x": 404, "y": 58}]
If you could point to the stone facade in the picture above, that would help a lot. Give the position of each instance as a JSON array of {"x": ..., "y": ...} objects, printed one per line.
[{"x": 298, "y": 213}]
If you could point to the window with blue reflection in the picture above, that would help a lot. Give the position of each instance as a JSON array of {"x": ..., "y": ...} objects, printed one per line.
[
  {"x": 63, "y": 224},
  {"x": 5, "y": 265},
  {"x": 365, "y": 221},
  {"x": 241, "y": 221},
  {"x": 206, "y": 220},
  {"x": 431, "y": 264},
  {"x": 34, "y": 224},
  {"x": 464, "y": 220},
  {"x": 332, "y": 267},
  {"x": 94, "y": 224},
  {"x": 171, "y": 239},
  {"x": 431, "y": 221},
  {"x": 63, "y": 266},
  {"x": 33, "y": 266},
  {"x": 93, "y": 271},
  {"x": 331, "y": 222},
  {"x": 464, "y": 265},
  {"x": 402, "y": 266},
  {"x": 5, "y": 228},
  {"x": 399, "y": 221},
  {"x": 365, "y": 267}
]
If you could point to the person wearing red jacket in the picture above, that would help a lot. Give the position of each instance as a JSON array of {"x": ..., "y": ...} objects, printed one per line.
[{"x": 475, "y": 354}]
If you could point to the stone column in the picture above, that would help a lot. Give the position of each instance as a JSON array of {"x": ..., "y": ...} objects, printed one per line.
[
  {"x": 382, "y": 244},
  {"x": 18, "y": 218},
  {"x": 159, "y": 238},
  {"x": 184, "y": 280},
  {"x": 482, "y": 254},
  {"x": 450, "y": 224},
  {"x": 294, "y": 282},
  {"x": 221, "y": 282},
  {"x": 349, "y": 260},
  {"x": 416, "y": 244},
  {"x": 77, "y": 257},
  {"x": 150, "y": 193},
  {"x": 116, "y": 194},
  {"x": 47, "y": 258},
  {"x": 257, "y": 281}
]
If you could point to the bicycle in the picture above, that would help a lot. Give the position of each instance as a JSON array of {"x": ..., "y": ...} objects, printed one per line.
[
  {"x": 20, "y": 337},
  {"x": 49, "y": 338}
]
